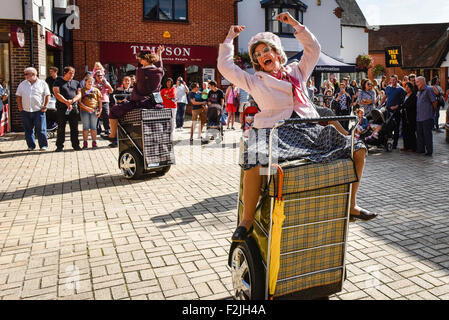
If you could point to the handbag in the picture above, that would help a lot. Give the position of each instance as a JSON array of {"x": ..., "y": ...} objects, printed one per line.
[
  {"x": 155, "y": 98},
  {"x": 224, "y": 118}
]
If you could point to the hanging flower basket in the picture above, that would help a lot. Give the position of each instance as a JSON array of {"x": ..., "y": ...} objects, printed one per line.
[
  {"x": 243, "y": 60},
  {"x": 378, "y": 70},
  {"x": 364, "y": 62}
]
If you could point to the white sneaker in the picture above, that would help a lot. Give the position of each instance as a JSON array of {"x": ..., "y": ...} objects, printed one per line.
[
  {"x": 30, "y": 149},
  {"x": 44, "y": 148}
]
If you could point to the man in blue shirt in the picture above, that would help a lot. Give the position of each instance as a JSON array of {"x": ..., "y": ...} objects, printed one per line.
[
  {"x": 425, "y": 108},
  {"x": 395, "y": 95}
]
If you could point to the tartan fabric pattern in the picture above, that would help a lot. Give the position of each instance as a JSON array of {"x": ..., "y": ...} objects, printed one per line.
[
  {"x": 310, "y": 210},
  {"x": 155, "y": 153},
  {"x": 316, "y": 176},
  {"x": 298, "y": 263},
  {"x": 310, "y": 281},
  {"x": 157, "y": 131},
  {"x": 310, "y": 236},
  {"x": 146, "y": 114},
  {"x": 156, "y": 114},
  {"x": 132, "y": 116}
]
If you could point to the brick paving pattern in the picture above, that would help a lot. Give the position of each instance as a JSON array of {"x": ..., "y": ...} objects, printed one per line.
[{"x": 72, "y": 228}]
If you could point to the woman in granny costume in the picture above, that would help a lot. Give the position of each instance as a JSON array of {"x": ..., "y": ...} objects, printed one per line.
[{"x": 280, "y": 92}]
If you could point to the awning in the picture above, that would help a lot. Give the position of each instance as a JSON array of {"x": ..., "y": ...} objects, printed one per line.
[{"x": 328, "y": 64}]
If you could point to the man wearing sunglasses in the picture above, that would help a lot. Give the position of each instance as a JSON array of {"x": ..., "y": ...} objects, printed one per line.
[{"x": 33, "y": 96}]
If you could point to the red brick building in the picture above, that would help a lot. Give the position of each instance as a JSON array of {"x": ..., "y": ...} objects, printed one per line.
[
  {"x": 425, "y": 49},
  {"x": 113, "y": 31}
]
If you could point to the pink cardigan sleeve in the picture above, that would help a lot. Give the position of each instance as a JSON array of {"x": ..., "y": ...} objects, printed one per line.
[
  {"x": 312, "y": 50},
  {"x": 230, "y": 71}
]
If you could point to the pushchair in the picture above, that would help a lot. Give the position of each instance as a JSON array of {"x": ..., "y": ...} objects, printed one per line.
[
  {"x": 214, "y": 129},
  {"x": 248, "y": 118},
  {"x": 385, "y": 135},
  {"x": 52, "y": 119},
  {"x": 303, "y": 255}
]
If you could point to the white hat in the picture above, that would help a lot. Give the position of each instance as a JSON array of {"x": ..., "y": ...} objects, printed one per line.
[{"x": 269, "y": 39}]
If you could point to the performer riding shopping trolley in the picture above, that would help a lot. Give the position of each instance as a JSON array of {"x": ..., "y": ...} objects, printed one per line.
[{"x": 279, "y": 91}]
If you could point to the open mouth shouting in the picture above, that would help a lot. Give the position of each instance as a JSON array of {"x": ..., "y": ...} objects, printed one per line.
[{"x": 267, "y": 62}]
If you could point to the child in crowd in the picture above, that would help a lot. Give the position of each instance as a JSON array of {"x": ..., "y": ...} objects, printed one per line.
[
  {"x": 90, "y": 105},
  {"x": 362, "y": 126}
]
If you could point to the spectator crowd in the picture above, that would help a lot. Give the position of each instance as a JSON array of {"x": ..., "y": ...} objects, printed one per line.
[
  {"x": 413, "y": 103},
  {"x": 48, "y": 105}
]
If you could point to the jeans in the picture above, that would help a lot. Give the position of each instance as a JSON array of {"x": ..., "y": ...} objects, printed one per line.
[
  {"x": 397, "y": 116},
  {"x": 35, "y": 123},
  {"x": 436, "y": 118},
  {"x": 73, "y": 123},
  {"x": 180, "y": 113},
  {"x": 424, "y": 141},
  {"x": 105, "y": 118},
  {"x": 89, "y": 120}
]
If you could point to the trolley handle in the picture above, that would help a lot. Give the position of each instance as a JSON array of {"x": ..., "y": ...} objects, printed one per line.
[
  {"x": 308, "y": 120},
  {"x": 322, "y": 119}
]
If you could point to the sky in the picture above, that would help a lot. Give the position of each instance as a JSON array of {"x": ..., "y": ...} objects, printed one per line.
[{"x": 387, "y": 12}]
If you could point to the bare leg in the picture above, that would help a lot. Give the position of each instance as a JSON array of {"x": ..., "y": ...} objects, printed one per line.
[
  {"x": 113, "y": 123},
  {"x": 251, "y": 192},
  {"x": 93, "y": 135},
  {"x": 359, "y": 160},
  {"x": 86, "y": 135},
  {"x": 339, "y": 127}
]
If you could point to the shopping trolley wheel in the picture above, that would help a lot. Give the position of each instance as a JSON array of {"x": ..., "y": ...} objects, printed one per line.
[
  {"x": 131, "y": 164},
  {"x": 248, "y": 277}
]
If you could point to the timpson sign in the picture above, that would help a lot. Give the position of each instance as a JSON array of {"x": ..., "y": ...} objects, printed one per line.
[
  {"x": 116, "y": 52},
  {"x": 169, "y": 51}
]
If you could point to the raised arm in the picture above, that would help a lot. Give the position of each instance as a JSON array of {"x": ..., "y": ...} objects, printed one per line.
[
  {"x": 226, "y": 64},
  {"x": 159, "y": 52},
  {"x": 311, "y": 45}
]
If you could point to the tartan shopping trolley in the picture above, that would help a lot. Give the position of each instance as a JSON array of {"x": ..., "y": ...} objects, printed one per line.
[
  {"x": 298, "y": 245},
  {"x": 145, "y": 142}
]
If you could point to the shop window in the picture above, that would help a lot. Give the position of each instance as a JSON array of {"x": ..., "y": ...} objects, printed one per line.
[
  {"x": 275, "y": 7},
  {"x": 165, "y": 10},
  {"x": 4, "y": 63},
  {"x": 193, "y": 74}
]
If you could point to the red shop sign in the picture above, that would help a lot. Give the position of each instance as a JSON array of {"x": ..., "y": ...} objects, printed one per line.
[
  {"x": 54, "y": 41},
  {"x": 123, "y": 53},
  {"x": 17, "y": 36}
]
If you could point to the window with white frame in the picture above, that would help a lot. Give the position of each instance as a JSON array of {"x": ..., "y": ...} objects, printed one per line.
[{"x": 165, "y": 10}]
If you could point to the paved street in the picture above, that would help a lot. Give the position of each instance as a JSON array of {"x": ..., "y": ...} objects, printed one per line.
[{"x": 72, "y": 228}]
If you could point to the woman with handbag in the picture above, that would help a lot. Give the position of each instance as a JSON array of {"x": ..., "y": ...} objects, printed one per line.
[
  {"x": 232, "y": 103},
  {"x": 343, "y": 104},
  {"x": 367, "y": 97},
  {"x": 408, "y": 113}
]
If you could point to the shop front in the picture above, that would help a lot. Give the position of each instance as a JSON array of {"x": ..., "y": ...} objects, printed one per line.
[
  {"x": 193, "y": 63},
  {"x": 55, "y": 46}
]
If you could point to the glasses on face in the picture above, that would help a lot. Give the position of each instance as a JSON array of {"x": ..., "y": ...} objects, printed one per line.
[
  {"x": 27, "y": 74},
  {"x": 258, "y": 54}
]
